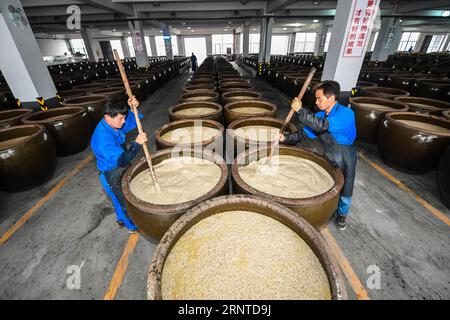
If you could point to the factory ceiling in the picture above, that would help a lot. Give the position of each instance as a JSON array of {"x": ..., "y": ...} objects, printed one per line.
[{"x": 186, "y": 17}]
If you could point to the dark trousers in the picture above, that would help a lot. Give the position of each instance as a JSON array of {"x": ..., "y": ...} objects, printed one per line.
[
  {"x": 114, "y": 179},
  {"x": 345, "y": 157},
  {"x": 111, "y": 181}
]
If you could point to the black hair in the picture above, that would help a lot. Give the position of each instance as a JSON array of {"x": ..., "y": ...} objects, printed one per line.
[
  {"x": 115, "y": 106},
  {"x": 329, "y": 88}
]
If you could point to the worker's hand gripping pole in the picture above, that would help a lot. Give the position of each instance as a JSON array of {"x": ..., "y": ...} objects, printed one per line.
[
  {"x": 136, "y": 116},
  {"x": 291, "y": 113}
]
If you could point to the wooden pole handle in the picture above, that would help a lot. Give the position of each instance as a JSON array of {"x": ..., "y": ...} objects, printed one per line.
[
  {"x": 290, "y": 114},
  {"x": 136, "y": 116}
]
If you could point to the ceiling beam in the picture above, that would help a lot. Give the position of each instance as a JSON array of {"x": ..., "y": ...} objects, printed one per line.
[
  {"x": 277, "y": 5},
  {"x": 165, "y": 1},
  {"x": 249, "y": 22},
  {"x": 45, "y": 3},
  {"x": 198, "y": 6},
  {"x": 93, "y": 19},
  {"x": 57, "y": 11},
  {"x": 120, "y": 8},
  {"x": 408, "y": 6}
]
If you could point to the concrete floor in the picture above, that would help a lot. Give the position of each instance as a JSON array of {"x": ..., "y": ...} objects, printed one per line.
[{"x": 387, "y": 228}]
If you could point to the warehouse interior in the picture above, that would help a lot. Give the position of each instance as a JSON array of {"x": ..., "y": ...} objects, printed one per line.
[{"x": 59, "y": 238}]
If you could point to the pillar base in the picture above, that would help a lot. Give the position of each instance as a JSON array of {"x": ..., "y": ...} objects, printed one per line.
[
  {"x": 344, "y": 96},
  {"x": 50, "y": 103}
]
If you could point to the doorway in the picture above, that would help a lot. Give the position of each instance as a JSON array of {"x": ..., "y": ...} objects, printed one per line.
[
  {"x": 425, "y": 43},
  {"x": 107, "y": 50},
  {"x": 197, "y": 46}
]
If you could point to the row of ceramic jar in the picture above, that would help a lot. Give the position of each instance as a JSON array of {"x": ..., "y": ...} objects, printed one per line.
[
  {"x": 31, "y": 141},
  {"x": 71, "y": 77}
]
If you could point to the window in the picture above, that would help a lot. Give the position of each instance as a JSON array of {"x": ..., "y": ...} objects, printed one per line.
[
  {"x": 304, "y": 42},
  {"x": 147, "y": 45},
  {"x": 408, "y": 40},
  {"x": 437, "y": 41},
  {"x": 221, "y": 42},
  {"x": 115, "y": 44},
  {"x": 254, "y": 43},
  {"x": 279, "y": 44},
  {"x": 77, "y": 46},
  {"x": 375, "y": 37},
  {"x": 161, "y": 46},
  {"x": 327, "y": 42},
  {"x": 131, "y": 47}
]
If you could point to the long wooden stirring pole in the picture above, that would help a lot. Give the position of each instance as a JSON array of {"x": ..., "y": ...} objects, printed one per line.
[
  {"x": 291, "y": 113},
  {"x": 136, "y": 116}
]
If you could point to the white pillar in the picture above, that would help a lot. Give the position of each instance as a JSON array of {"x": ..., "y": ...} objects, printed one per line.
[
  {"x": 167, "y": 41},
  {"x": 181, "y": 49},
  {"x": 138, "y": 40},
  {"x": 86, "y": 34},
  {"x": 388, "y": 39},
  {"x": 321, "y": 37},
  {"x": 209, "y": 49},
  {"x": 21, "y": 60},
  {"x": 265, "y": 40},
  {"x": 153, "y": 46},
  {"x": 246, "y": 41},
  {"x": 234, "y": 49},
  {"x": 238, "y": 43},
  {"x": 345, "y": 54},
  {"x": 292, "y": 42},
  {"x": 125, "y": 50}
]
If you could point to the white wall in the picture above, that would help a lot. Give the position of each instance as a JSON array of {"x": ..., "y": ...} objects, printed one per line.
[{"x": 50, "y": 47}]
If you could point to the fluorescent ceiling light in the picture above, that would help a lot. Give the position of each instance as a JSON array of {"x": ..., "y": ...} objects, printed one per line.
[
  {"x": 315, "y": 20},
  {"x": 446, "y": 13},
  {"x": 284, "y": 28}
]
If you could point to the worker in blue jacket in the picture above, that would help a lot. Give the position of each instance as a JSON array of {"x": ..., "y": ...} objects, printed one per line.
[
  {"x": 334, "y": 127},
  {"x": 193, "y": 62},
  {"x": 113, "y": 157}
]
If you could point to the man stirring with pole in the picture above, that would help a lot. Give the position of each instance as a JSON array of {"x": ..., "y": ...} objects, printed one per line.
[
  {"x": 334, "y": 127},
  {"x": 113, "y": 158}
]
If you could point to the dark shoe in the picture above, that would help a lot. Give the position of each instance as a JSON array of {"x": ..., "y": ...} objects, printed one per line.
[
  {"x": 121, "y": 224},
  {"x": 341, "y": 222}
]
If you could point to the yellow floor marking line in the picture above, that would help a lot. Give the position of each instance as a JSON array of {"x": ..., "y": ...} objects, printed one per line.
[
  {"x": 122, "y": 266},
  {"x": 438, "y": 214},
  {"x": 19, "y": 223},
  {"x": 355, "y": 283}
]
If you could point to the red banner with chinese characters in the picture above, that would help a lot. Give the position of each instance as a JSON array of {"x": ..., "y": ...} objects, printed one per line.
[
  {"x": 364, "y": 13},
  {"x": 137, "y": 43}
]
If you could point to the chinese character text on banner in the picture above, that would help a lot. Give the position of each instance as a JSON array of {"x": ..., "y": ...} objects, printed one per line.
[{"x": 364, "y": 13}]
